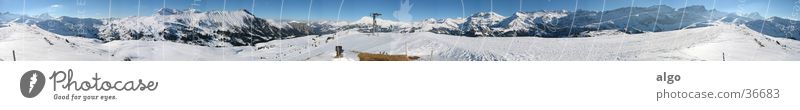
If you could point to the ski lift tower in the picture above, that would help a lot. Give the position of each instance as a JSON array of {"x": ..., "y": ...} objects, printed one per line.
[{"x": 375, "y": 22}]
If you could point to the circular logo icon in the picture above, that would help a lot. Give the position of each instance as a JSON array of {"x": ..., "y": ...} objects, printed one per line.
[{"x": 31, "y": 84}]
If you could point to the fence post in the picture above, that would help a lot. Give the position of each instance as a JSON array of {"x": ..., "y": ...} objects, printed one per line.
[
  {"x": 723, "y": 56},
  {"x": 14, "y": 55}
]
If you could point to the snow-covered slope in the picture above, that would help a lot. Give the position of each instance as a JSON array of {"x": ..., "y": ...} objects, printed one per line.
[
  {"x": 704, "y": 43},
  {"x": 742, "y": 43},
  {"x": 32, "y": 43},
  {"x": 35, "y": 44}
]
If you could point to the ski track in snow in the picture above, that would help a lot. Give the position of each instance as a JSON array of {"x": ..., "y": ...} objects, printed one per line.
[{"x": 698, "y": 44}]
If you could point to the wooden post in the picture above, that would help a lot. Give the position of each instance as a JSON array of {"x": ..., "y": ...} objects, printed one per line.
[
  {"x": 723, "y": 56},
  {"x": 431, "y": 56}
]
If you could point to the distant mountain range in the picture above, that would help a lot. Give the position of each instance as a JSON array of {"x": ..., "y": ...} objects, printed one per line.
[{"x": 242, "y": 28}]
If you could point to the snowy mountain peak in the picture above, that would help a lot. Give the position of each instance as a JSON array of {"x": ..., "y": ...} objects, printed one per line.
[
  {"x": 479, "y": 24},
  {"x": 241, "y": 12},
  {"x": 546, "y": 14},
  {"x": 430, "y": 20},
  {"x": 778, "y": 19},
  {"x": 526, "y": 20},
  {"x": 753, "y": 15},
  {"x": 245, "y": 11},
  {"x": 44, "y": 16},
  {"x": 662, "y": 7},
  {"x": 170, "y": 11},
  {"x": 777, "y": 27},
  {"x": 209, "y": 28},
  {"x": 694, "y": 8},
  {"x": 167, "y": 11},
  {"x": 487, "y": 15},
  {"x": 367, "y": 20},
  {"x": 440, "y": 26},
  {"x": 485, "y": 18}
]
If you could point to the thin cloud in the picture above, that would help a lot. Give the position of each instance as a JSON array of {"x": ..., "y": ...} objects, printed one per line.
[{"x": 55, "y": 6}]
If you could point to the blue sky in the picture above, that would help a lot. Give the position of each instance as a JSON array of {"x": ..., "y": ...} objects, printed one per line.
[{"x": 355, "y": 9}]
